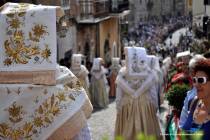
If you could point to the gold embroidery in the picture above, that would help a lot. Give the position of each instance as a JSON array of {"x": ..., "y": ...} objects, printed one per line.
[
  {"x": 4, "y": 130},
  {"x": 46, "y": 53},
  {"x": 16, "y": 49},
  {"x": 11, "y": 15},
  {"x": 15, "y": 113},
  {"x": 42, "y": 117},
  {"x": 61, "y": 96},
  {"x": 45, "y": 92},
  {"x": 38, "y": 122},
  {"x": 39, "y": 31},
  {"x": 28, "y": 129},
  {"x": 16, "y": 134},
  {"x": 15, "y": 23},
  {"x": 7, "y": 62}
]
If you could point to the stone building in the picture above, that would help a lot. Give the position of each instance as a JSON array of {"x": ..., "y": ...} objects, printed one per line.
[
  {"x": 99, "y": 27},
  {"x": 142, "y": 10},
  {"x": 138, "y": 11}
]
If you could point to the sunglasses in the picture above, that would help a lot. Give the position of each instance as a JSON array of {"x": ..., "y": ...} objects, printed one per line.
[{"x": 200, "y": 80}]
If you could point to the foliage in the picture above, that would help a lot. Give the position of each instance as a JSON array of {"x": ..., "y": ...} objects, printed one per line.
[
  {"x": 171, "y": 73},
  {"x": 200, "y": 47},
  {"x": 176, "y": 95},
  {"x": 184, "y": 136},
  {"x": 195, "y": 136}
]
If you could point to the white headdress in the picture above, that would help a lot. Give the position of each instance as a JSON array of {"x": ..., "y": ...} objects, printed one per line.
[
  {"x": 28, "y": 43},
  {"x": 115, "y": 64},
  {"x": 153, "y": 62},
  {"x": 136, "y": 61},
  {"x": 76, "y": 61},
  {"x": 123, "y": 63},
  {"x": 96, "y": 64}
]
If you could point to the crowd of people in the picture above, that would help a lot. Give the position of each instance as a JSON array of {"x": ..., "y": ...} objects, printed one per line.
[
  {"x": 139, "y": 85},
  {"x": 152, "y": 34},
  {"x": 59, "y": 106}
]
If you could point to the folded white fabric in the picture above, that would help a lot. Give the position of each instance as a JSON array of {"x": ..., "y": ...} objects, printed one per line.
[
  {"x": 28, "y": 43},
  {"x": 36, "y": 111},
  {"x": 136, "y": 62},
  {"x": 28, "y": 37},
  {"x": 76, "y": 61}
]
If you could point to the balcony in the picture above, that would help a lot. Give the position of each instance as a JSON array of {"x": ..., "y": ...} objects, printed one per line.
[
  {"x": 93, "y": 8},
  {"x": 118, "y": 6}
]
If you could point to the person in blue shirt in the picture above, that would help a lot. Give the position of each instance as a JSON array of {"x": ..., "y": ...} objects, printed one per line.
[
  {"x": 199, "y": 110},
  {"x": 184, "y": 113},
  {"x": 190, "y": 94}
]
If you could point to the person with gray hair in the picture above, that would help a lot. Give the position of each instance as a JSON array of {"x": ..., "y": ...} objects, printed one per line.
[{"x": 191, "y": 93}]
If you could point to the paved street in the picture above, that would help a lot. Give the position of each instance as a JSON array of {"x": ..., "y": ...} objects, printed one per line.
[{"x": 102, "y": 122}]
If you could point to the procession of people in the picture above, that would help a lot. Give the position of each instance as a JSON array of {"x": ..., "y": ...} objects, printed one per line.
[{"x": 41, "y": 98}]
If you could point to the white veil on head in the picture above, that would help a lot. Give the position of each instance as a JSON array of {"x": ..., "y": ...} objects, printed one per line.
[
  {"x": 153, "y": 62},
  {"x": 97, "y": 69},
  {"x": 76, "y": 61},
  {"x": 115, "y": 64},
  {"x": 123, "y": 62},
  {"x": 136, "y": 62},
  {"x": 96, "y": 64}
]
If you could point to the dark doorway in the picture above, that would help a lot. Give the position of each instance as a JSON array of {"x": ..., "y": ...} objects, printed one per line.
[
  {"x": 107, "y": 53},
  {"x": 87, "y": 52}
]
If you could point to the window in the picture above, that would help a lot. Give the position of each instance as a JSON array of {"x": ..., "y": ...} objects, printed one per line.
[
  {"x": 65, "y": 4},
  {"x": 140, "y": 1}
]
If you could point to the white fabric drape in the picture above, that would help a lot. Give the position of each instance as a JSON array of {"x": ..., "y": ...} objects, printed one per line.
[
  {"x": 28, "y": 108},
  {"x": 23, "y": 31}
]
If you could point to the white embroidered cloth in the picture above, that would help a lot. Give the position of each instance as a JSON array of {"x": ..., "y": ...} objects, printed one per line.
[
  {"x": 136, "y": 61},
  {"x": 76, "y": 61},
  {"x": 28, "y": 37},
  {"x": 36, "y": 111},
  {"x": 96, "y": 64},
  {"x": 115, "y": 64}
]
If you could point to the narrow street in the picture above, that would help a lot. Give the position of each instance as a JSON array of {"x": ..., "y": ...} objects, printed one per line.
[{"x": 102, "y": 122}]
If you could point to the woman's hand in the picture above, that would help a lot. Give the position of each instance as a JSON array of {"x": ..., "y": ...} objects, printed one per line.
[{"x": 200, "y": 115}]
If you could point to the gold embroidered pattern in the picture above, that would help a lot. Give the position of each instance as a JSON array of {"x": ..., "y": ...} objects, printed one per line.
[
  {"x": 16, "y": 49},
  {"x": 15, "y": 113},
  {"x": 42, "y": 117}
]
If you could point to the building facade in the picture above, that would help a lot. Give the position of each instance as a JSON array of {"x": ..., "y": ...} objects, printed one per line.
[
  {"x": 142, "y": 10},
  {"x": 138, "y": 11},
  {"x": 99, "y": 27}
]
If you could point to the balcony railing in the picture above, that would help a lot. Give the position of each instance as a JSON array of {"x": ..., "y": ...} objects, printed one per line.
[
  {"x": 118, "y": 6},
  {"x": 94, "y": 8}
]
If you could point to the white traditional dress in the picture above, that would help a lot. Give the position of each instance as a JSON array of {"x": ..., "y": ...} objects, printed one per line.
[
  {"x": 136, "y": 112},
  {"x": 157, "y": 95},
  {"x": 39, "y": 100},
  {"x": 80, "y": 71},
  {"x": 99, "y": 89}
]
